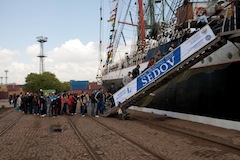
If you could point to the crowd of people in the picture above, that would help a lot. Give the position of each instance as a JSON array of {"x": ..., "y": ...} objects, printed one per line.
[{"x": 48, "y": 105}]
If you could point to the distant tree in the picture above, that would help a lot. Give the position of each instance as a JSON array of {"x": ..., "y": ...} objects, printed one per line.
[
  {"x": 47, "y": 80},
  {"x": 66, "y": 86}
]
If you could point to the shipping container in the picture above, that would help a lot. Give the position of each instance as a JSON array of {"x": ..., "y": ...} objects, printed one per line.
[
  {"x": 3, "y": 95},
  {"x": 14, "y": 88},
  {"x": 79, "y": 85},
  {"x": 3, "y": 89},
  {"x": 79, "y": 88},
  {"x": 94, "y": 86}
]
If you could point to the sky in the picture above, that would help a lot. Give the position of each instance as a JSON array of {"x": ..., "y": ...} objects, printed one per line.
[{"x": 73, "y": 31}]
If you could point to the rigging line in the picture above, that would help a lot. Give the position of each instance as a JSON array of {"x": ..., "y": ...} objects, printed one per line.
[
  {"x": 170, "y": 7},
  {"x": 173, "y": 7},
  {"x": 123, "y": 39},
  {"x": 131, "y": 24},
  {"x": 120, "y": 30},
  {"x": 100, "y": 39},
  {"x": 100, "y": 62},
  {"x": 160, "y": 12},
  {"x": 130, "y": 14},
  {"x": 159, "y": 15},
  {"x": 112, "y": 7},
  {"x": 118, "y": 38},
  {"x": 100, "y": 32},
  {"x": 147, "y": 9},
  {"x": 113, "y": 33},
  {"x": 120, "y": 11},
  {"x": 128, "y": 29}
]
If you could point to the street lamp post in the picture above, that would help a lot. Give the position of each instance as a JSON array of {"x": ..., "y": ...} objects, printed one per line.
[
  {"x": 41, "y": 40},
  {"x": 6, "y": 71},
  {"x": 1, "y": 81}
]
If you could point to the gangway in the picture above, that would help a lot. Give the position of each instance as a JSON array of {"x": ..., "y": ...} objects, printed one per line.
[{"x": 197, "y": 47}]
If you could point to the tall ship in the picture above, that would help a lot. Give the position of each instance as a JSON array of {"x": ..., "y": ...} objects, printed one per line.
[{"x": 207, "y": 91}]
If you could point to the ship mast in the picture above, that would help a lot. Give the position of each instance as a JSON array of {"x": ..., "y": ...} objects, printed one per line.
[{"x": 99, "y": 71}]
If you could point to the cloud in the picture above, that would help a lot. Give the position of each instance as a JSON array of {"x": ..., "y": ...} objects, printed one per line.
[
  {"x": 70, "y": 61},
  {"x": 7, "y": 56},
  {"x": 33, "y": 50}
]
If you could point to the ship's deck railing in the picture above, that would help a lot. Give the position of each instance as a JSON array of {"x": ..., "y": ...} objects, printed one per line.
[{"x": 229, "y": 22}]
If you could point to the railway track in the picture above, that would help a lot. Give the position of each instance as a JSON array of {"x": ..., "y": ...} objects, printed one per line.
[
  {"x": 12, "y": 122},
  {"x": 159, "y": 157},
  {"x": 90, "y": 150},
  {"x": 117, "y": 136},
  {"x": 191, "y": 133},
  {"x": 193, "y": 138},
  {"x": 100, "y": 138},
  {"x": 4, "y": 113}
]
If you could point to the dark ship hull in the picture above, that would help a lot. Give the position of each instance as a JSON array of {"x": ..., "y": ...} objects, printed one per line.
[{"x": 209, "y": 92}]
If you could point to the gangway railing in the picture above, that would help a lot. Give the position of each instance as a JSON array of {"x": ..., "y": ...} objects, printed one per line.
[{"x": 197, "y": 47}]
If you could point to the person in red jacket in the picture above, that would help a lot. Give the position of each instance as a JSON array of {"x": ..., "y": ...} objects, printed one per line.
[
  {"x": 151, "y": 63},
  {"x": 70, "y": 104},
  {"x": 64, "y": 104}
]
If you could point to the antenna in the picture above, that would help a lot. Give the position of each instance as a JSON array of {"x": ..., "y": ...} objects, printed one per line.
[{"x": 41, "y": 40}]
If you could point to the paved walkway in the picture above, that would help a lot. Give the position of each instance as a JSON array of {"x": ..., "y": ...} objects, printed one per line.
[
  {"x": 5, "y": 103},
  {"x": 35, "y": 134},
  {"x": 228, "y": 135}
]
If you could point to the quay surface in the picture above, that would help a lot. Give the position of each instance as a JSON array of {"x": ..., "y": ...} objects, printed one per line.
[{"x": 146, "y": 136}]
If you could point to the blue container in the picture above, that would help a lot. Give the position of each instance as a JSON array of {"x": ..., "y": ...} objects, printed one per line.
[
  {"x": 79, "y": 85},
  {"x": 74, "y": 88}
]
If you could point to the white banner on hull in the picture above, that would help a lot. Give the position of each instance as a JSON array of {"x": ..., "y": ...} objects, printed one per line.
[{"x": 181, "y": 53}]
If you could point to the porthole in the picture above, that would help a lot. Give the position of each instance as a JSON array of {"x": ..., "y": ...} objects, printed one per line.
[
  {"x": 210, "y": 59},
  {"x": 229, "y": 55}
]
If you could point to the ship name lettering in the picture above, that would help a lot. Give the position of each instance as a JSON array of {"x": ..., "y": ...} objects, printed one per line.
[{"x": 156, "y": 72}]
